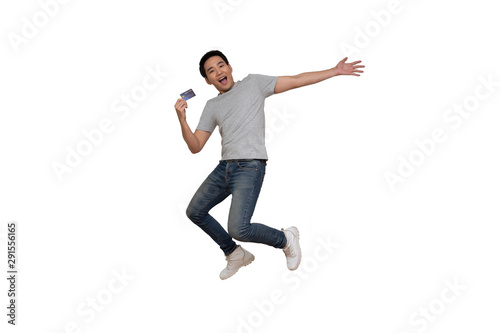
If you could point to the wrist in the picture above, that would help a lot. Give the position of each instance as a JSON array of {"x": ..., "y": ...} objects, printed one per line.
[
  {"x": 183, "y": 122},
  {"x": 182, "y": 118}
]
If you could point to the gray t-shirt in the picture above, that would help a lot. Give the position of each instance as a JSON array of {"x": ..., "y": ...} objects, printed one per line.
[{"x": 239, "y": 113}]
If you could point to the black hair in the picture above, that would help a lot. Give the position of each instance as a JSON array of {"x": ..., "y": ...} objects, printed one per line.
[{"x": 207, "y": 56}]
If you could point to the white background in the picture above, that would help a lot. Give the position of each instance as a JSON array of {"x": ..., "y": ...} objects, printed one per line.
[{"x": 122, "y": 208}]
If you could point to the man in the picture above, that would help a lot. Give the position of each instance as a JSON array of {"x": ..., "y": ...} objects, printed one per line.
[{"x": 238, "y": 110}]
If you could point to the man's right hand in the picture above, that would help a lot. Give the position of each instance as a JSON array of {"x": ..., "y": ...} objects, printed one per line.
[
  {"x": 180, "y": 108},
  {"x": 196, "y": 140}
]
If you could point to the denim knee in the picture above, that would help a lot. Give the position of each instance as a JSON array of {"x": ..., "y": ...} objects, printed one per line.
[
  {"x": 240, "y": 234},
  {"x": 192, "y": 214}
]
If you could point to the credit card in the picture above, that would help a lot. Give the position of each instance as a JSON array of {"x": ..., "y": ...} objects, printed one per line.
[{"x": 188, "y": 94}]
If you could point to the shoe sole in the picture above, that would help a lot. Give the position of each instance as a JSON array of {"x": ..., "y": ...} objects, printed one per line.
[{"x": 252, "y": 258}]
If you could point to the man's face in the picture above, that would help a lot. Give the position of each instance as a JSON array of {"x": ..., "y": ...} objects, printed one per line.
[{"x": 219, "y": 74}]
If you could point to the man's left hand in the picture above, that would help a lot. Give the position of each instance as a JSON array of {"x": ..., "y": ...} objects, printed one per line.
[{"x": 352, "y": 68}]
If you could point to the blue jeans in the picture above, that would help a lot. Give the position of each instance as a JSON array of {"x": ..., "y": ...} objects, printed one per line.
[{"x": 243, "y": 180}]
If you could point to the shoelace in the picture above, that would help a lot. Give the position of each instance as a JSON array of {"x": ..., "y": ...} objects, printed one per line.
[
  {"x": 290, "y": 251},
  {"x": 231, "y": 262}
]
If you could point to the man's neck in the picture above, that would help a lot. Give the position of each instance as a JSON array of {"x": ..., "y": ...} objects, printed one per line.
[{"x": 221, "y": 92}]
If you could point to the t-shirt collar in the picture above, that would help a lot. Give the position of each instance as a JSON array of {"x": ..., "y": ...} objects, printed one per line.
[{"x": 234, "y": 86}]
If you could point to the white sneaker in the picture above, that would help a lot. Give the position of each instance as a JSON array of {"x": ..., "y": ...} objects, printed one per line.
[
  {"x": 292, "y": 248},
  {"x": 239, "y": 258}
]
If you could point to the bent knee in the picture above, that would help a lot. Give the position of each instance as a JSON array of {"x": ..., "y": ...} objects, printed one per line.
[
  {"x": 242, "y": 235},
  {"x": 192, "y": 214}
]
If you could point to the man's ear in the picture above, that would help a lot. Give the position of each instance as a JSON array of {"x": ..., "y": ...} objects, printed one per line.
[
  {"x": 206, "y": 79},
  {"x": 231, "y": 68}
]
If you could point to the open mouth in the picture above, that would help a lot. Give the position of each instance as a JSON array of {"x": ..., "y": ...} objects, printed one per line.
[{"x": 223, "y": 80}]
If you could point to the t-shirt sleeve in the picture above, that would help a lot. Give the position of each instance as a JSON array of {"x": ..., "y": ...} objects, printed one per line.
[
  {"x": 266, "y": 83},
  {"x": 207, "y": 122}
]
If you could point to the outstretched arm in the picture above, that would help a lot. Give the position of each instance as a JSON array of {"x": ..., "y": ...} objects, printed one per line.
[{"x": 285, "y": 83}]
